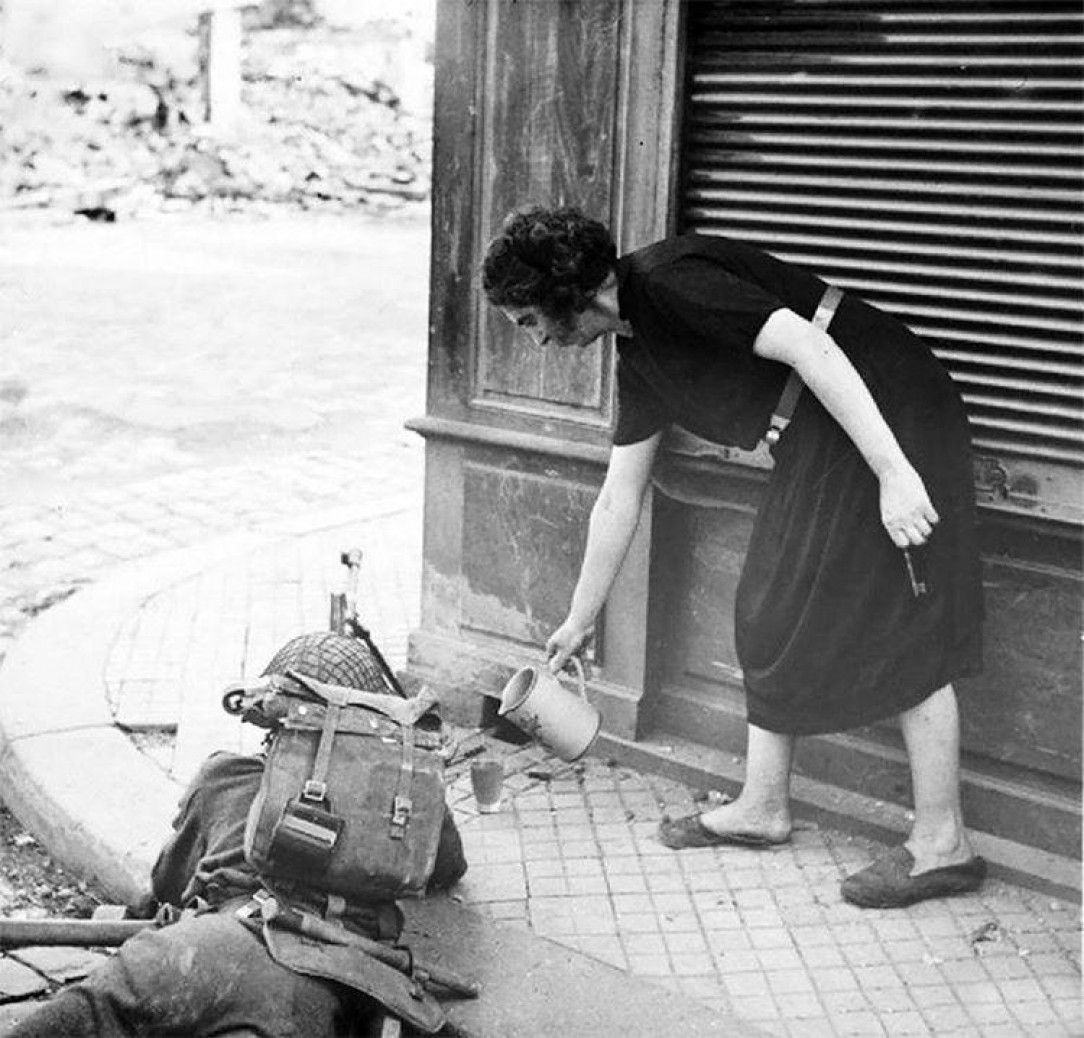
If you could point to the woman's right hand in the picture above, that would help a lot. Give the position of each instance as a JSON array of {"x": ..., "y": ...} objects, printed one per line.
[
  {"x": 567, "y": 641},
  {"x": 907, "y": 513}
]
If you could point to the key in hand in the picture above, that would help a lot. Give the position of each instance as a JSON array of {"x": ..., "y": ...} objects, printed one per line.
[{"x": 918, "y": 580}]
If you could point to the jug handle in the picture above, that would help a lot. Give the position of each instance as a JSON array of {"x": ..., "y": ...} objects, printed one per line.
[{"x": 581, "y": 678}]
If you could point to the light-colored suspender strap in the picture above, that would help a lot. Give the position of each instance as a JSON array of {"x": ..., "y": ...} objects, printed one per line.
[
  {"x": 826, "y": 308},
  {"x": 788, "y": 400}
]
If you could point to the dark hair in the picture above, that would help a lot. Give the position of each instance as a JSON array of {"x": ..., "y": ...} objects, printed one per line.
[{"x": 554, "y": 259}]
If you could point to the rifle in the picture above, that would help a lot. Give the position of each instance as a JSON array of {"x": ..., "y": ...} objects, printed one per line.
[
  {"x": 107, "y": 928},
  {"x": 345, "y": 619}
]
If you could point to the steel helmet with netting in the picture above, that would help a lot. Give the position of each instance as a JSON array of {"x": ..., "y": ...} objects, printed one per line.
[{"x": 331, "y": 658}]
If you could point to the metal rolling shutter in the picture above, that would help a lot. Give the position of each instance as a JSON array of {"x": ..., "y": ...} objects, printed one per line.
[{"x": 928, "y": 155}]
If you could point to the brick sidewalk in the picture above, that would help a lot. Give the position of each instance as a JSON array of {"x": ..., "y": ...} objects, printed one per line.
[
  {"x": 763, "y": 934},
  {"x": 171, "y": 659}
]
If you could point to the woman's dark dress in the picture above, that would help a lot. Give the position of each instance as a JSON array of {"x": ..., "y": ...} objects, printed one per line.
[{"x": 828, "y": 631}]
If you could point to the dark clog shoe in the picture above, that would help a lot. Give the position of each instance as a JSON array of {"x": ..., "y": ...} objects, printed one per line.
[{"x": 888, "y": 882}]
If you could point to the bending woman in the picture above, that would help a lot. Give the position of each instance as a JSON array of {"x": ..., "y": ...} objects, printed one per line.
[{"x": 860, "y": 597}]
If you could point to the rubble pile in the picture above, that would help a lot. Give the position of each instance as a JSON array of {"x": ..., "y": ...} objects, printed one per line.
[{"x": 316, "y": 130}]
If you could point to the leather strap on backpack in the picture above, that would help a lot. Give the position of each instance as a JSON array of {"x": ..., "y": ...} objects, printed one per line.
[
  {"x": 403, "y": 804},
  {"x": 315, "y": 788},
  {"x": 788, "y": 400},
  {"x": 307, "y": 832}
]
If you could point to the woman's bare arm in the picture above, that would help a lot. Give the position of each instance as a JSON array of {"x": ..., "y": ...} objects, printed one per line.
[
  {"x": 614, "y": 519},
  {"x": 907, "y": 513}
]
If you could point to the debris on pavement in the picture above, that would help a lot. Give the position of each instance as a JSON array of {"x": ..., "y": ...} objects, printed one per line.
[
  {"x": 988, "y": 933},
  {"x": 32, "y": 884},
  {"x": 319, "y": 129}
]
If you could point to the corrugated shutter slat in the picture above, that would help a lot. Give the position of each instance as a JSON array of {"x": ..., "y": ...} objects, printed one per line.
[{"x": 928, "y": 156}]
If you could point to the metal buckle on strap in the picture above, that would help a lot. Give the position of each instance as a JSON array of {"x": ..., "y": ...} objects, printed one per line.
[
  {"x": 254, "y": 905},
  {"x": 314, "y": 791},
  {"x": 784, "y": 409},
  {"x": 402, "y": 809}
]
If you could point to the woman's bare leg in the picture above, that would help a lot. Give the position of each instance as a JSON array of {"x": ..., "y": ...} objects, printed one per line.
[
  {"x": 763, "y": 806},
  {"x": 931, "y": 732}
]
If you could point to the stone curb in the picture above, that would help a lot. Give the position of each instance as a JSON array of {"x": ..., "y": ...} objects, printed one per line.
[{"x": 70, "y": 775}]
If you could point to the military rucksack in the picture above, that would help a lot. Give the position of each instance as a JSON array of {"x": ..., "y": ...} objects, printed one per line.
[{"x": 352, "y": 796}]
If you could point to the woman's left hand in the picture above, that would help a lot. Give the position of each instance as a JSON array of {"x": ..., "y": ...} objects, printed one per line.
[{"x": 907, "y": 513}]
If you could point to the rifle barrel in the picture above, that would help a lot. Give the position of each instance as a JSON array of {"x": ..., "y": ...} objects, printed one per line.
[{"x": 27, "y": 933}]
